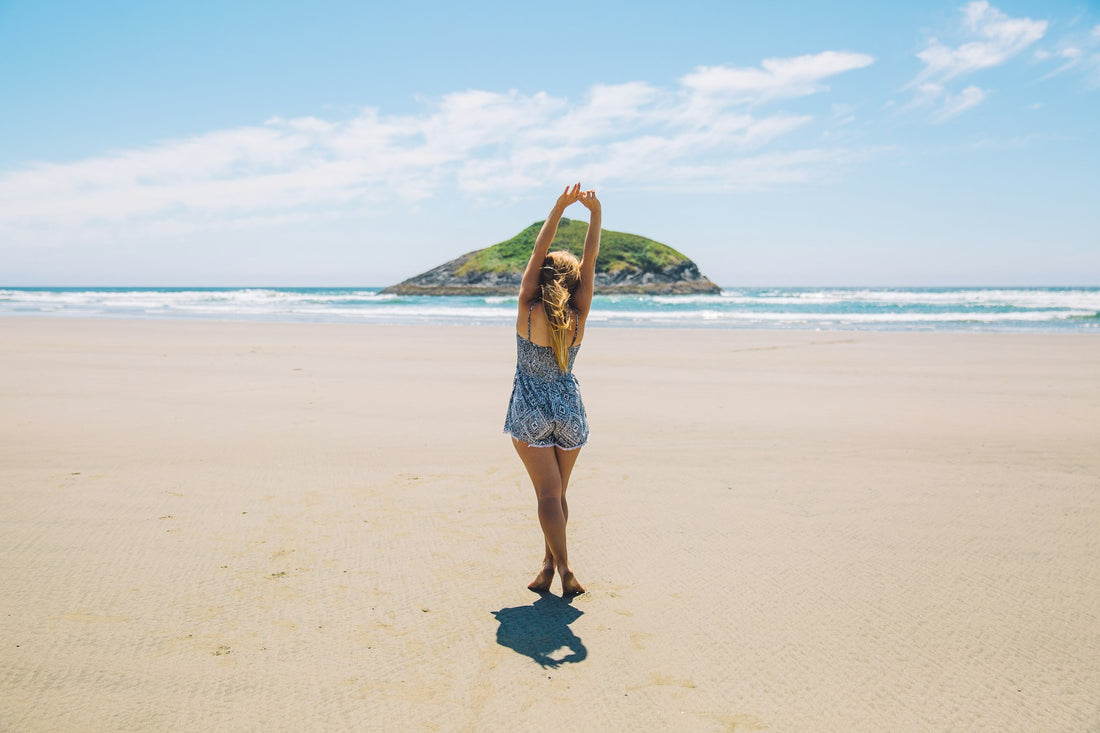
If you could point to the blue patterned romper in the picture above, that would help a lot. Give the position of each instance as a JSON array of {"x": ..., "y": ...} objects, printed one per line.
[{"x": 545, "y": 408}]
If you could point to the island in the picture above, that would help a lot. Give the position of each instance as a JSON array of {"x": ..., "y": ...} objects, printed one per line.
[{"x": 628, "y": 264}]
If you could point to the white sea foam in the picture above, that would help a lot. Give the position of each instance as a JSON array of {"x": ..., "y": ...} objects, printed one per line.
[
  {"x": 1019, "y": 297},
  {"x": 611, "y": 317},
  {"x": 1034, "y": 308}
]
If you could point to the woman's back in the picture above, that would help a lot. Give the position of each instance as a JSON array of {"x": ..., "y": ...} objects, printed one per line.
[{"x": 540, "y": 325}]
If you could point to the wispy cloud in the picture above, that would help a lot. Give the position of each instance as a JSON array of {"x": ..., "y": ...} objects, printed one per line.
[
  {"x": 1076, "y": 50},
  {"x": 1071, "y": 55},
  {"x": 991, "y": 39},
  {"x": 706, "y": 133},
  {"x": 775, "y": 78},
  {"x": 955, "y": 104},
  {"x": 999, "y": 38}
]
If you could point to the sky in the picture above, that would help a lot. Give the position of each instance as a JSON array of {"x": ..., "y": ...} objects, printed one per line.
[{"x": 359, "y": 143}]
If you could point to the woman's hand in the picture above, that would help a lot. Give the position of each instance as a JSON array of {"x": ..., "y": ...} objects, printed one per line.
[
  {"x": 529, "y": 285},
  {"x": 568, "y": 197},
  {"x": 589, "y": 200}
]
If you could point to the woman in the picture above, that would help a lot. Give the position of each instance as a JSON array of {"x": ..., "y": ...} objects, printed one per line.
[{"x": 546, "y": 417}]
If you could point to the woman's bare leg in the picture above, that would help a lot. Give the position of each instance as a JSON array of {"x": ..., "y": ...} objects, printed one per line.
[
  {"x": 549, "y": 469},
  {"x": 566, "y": 460}
]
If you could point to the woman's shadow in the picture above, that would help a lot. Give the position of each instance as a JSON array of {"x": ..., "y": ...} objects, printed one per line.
[{"x": 541, "y": 631}]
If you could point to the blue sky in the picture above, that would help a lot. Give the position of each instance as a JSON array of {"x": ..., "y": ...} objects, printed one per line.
[{"x": 342, "y": 143}]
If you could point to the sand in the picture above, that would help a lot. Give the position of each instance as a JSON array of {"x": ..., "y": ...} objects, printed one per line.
[{"x": 235, "y": 526}]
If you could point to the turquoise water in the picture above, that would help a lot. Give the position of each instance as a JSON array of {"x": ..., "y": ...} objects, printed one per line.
[{"x": 909, "y": 309}]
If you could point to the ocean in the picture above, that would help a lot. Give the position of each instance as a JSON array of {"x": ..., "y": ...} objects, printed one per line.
[{"x": 809, "y": 308}]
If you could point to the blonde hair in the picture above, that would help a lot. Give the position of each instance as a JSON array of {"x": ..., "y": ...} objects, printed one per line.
[{"x": 558, "y": 279}]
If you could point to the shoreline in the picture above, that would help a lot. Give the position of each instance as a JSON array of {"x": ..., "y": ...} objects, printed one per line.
[{"x": 592, "y": 324}]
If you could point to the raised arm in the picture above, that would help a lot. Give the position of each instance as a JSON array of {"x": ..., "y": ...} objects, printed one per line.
[
  {"x": 582, "y": 298},
  {"x": 529, "y": 286}
]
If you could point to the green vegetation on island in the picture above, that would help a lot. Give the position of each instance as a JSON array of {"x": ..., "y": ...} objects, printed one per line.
[{"x": 618, "y": 251}]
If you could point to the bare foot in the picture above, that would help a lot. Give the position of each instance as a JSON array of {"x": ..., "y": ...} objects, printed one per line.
[
  {"x": 569, "y": 584},
  {"x": 541, "y": 582}
]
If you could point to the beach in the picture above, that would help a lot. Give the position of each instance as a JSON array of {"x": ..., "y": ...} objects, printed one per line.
[{"x": 233, "y": 526}]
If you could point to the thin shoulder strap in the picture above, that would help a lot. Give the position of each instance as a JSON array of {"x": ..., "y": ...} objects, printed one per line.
[
  {"x": 576, "y": 325},
  {"x": 529, "y": 309}
]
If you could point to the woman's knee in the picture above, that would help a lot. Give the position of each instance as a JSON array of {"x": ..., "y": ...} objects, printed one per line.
[
  {"x": 551, "y": 509},
  {"x": 549, "y": 490}
]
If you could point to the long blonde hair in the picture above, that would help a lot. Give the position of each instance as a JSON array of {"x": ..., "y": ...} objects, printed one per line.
[{"x": 558, "y": 279}]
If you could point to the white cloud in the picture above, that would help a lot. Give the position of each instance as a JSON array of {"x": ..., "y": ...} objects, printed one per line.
[
  {"x": 954, "y": 104},
  {"x": 929, "y": 92},
  {"x": 994, "y": 38},
  {"x": 704, "y": 133},
  {"x": 944, "y": 104},
  {"x": 1073, "y": 55},
  {"x": 1078, "y": 51},
  {"x": 999, "y": 39},
  {"x": 791, "y": 77}
]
